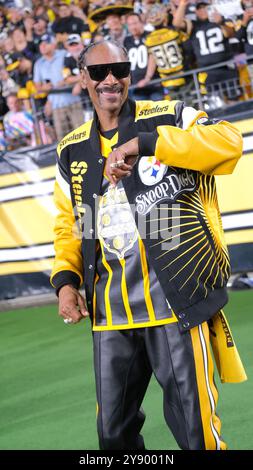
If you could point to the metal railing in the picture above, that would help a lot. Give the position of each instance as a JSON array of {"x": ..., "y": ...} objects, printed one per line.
[
  {"x": 196, "y": 97},
  {"x": 214, "y": 97}
]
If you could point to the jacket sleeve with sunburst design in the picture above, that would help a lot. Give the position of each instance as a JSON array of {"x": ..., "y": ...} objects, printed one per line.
[{"x": 200, "y": 144}]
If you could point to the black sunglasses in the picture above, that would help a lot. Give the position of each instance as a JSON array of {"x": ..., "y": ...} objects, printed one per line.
[{"x": 99, "y": 72}]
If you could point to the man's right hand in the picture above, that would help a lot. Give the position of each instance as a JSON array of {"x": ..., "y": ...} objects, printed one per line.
[{"x": 72, "y": 305}]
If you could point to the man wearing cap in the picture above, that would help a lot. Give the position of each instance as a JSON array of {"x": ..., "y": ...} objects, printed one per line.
[
  {"x": 71, "y": 71},
  {"x": 74, "y": 46},
  {"x": 210, "y": 45},
  {"x": 48, "y": 74}
]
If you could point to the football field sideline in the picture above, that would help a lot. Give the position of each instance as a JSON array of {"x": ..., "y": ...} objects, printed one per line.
[{"x": 47, "y": 390}]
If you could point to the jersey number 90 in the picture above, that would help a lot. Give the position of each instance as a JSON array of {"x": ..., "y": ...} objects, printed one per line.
[{"x": 138, "y": 57}]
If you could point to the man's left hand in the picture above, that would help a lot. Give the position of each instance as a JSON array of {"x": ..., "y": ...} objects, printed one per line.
[{"x": 120, "y": 161}]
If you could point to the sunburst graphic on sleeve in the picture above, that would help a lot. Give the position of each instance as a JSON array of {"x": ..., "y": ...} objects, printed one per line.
[{"x": 192, "y": 251}]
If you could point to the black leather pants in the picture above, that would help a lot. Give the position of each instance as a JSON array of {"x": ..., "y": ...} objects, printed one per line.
[{"x": 124, "y": 361}]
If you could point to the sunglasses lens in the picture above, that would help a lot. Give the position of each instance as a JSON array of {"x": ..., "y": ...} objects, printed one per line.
[
  {"x": 99, "y": 72},
  {"x": 121, "y": 70}
]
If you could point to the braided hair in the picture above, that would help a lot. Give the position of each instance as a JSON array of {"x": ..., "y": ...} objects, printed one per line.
[{"x": 83, "y": 55}]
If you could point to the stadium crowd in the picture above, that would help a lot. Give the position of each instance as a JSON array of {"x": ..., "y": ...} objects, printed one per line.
[{"x": 40, "y": 41}]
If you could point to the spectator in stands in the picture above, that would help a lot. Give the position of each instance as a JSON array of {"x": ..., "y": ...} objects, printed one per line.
[
  {"x": 11, "y": 57},
  {"x": 48, "y": 74},
  {"x": 24, "y": 71},
  {"x": 142, "y": 70},
  {"x": 3, "y": 37},
  {"x": 116, "y": 30},
  {"x": 68, "y": 24},
  {"x": 83, "y": 5},
  {"x": 165, "y": 45},
  {"x": 35, "y": 28},
  {"x": 71, "y": 72},
  {"x": 18, "y": 124},
  {"x": 15, "y": 18},
  {"x": 8, "y": 85},
  {"x": 143, "y": 7},
  {"x": 22, "y": 45},
  {"x": 8, "y": 44},
  {"x": 210, "y": 45},
  {"x": 74, "y": 46},
  {"x": 44, "y": 9},
  {"x": 3, "y": 20},
  {"x": 244, "y": 32},
  {"x": 3, "y": 93}
]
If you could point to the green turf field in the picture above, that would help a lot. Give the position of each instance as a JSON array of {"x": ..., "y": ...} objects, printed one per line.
[{"x": 47, "y": 393}]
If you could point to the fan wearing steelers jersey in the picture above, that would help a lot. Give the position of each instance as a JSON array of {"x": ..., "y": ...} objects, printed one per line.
[
  {"x": 165, "y": 45},
  {"x": 210, "y": 44}
]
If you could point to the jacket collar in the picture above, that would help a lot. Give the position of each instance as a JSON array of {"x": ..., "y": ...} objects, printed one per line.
[{"x": 127, "y": 127}]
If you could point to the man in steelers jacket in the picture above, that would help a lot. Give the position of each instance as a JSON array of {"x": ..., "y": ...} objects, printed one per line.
[{"x": 138, "y": 182}]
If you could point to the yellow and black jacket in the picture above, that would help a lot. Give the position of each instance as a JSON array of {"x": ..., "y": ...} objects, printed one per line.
[{"x": 177, "y": 186}]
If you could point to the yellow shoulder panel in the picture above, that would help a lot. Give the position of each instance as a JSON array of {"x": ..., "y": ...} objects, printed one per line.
[
  {"x": 161, "y": 36},
  {"x": 147, "y": 109},
  {"x": 74, "y": 137}
]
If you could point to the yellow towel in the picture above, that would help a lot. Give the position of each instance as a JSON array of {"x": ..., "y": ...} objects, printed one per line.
[{"x": 225, "y": 352}]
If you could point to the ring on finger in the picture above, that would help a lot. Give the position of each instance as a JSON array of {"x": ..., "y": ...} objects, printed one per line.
[
  {"x": 117, "y": 164},
  {"x": 68, "y": 321}
]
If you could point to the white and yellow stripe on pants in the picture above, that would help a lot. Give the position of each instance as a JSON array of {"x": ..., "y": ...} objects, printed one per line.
[{"x": 208, "y": 394}]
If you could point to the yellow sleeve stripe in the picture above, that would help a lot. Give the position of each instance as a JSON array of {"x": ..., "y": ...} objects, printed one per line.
[{"x": 74, "y": 137}]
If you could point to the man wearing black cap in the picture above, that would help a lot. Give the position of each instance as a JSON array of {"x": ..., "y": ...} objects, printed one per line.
[
  {"x": 210, "y": 45},
  {"x": 71, "y": 73},
  {"x": 74, "y": 46}
]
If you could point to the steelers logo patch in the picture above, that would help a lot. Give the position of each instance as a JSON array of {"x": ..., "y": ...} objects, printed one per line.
[{"x": 151, "y": 171}]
